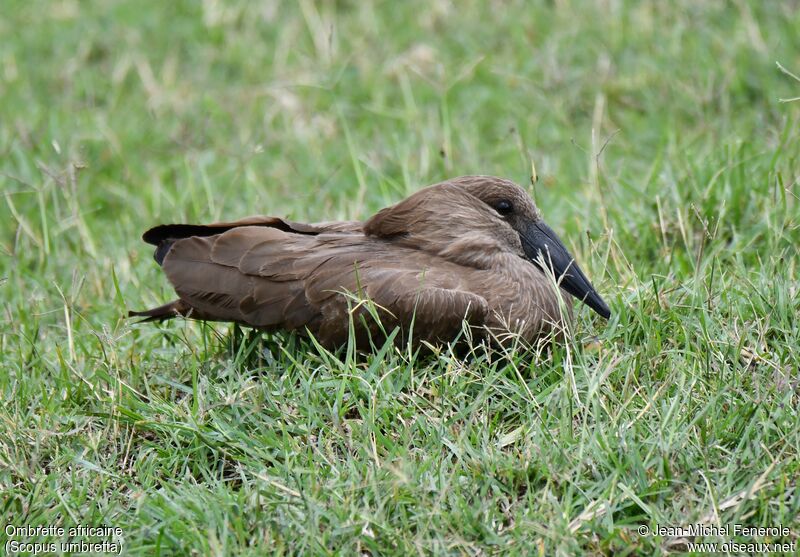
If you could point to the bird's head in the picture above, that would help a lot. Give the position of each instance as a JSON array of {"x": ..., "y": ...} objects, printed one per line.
[{"x": 472, "y": 219}]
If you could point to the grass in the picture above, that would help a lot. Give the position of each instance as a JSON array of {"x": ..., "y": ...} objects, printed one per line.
[{"x": 666, "y": 162}]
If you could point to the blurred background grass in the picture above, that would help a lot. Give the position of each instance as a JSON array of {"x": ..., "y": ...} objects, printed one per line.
[{"x": 665, "y": 159}]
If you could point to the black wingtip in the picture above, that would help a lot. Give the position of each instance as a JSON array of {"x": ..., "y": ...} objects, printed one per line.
[
  {"x": 154, "y": 235},
  {"x": 164, "y": 235},
  {"x": 158, "y": 234},
  {"x": 162, "y": 250}
]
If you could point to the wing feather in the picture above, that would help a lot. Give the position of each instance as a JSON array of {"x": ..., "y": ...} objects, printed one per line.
[{"x": 266, "y": 277}]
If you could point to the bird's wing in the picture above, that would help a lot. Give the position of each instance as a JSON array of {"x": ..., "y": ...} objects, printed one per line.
[
  {"x": 164, "y": 235},
  {"x": 158, "y": 234},
  {"x": 403, "y": 289},
  {"x": 266, "y": 277}
]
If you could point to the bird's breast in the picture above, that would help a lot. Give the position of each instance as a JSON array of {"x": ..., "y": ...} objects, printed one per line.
[{"x": 523, "y": 300}]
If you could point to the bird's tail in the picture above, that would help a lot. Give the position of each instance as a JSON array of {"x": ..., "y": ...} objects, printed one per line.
[{"x": 161, "y": 313}]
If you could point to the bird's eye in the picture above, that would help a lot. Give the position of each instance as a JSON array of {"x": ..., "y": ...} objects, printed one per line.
[{"x": 504, "y": 207}]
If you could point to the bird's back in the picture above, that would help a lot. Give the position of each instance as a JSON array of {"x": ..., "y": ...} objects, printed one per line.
[{"x": 321, "y": 278}]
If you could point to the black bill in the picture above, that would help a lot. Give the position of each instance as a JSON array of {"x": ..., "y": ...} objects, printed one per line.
[{"x": 540, "y": 239}]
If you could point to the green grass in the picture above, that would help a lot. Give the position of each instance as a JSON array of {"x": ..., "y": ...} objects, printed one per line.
[{"x": 666, "y": 162}]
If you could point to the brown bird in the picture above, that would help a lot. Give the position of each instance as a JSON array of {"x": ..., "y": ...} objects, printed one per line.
[{"x": 472, "y": 249}]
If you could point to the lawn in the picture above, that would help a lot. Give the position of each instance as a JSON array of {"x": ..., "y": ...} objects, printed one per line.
[{"x": 665, "y": 160}]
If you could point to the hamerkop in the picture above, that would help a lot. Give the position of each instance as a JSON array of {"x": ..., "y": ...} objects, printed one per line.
[{"x": 472, "y": 249}]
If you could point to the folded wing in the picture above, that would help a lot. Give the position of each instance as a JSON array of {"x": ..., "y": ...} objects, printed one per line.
[{"x": 273, "y": 274}]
